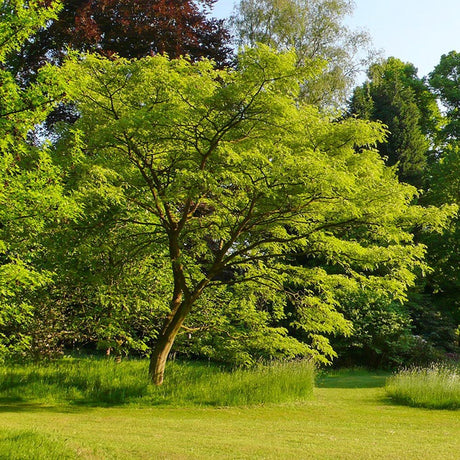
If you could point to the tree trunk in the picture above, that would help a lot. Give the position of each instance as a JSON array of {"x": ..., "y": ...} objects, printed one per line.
[
  {"x": 181, "y": 305},
  {"x": 165, "y": 341}
]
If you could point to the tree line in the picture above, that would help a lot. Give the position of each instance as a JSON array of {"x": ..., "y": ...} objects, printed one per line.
[{"x": 161, "y": 191}]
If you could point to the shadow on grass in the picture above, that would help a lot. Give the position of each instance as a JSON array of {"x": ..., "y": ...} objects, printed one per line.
[
  {"x": 19, "y": 407},
  {"x": 90, "y": 383},
  {"x": 350, "y": 378},
  {"x": 24, "y": 393}
]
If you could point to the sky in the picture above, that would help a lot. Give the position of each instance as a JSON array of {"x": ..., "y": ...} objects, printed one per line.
[{"x": 416, "y": 31}]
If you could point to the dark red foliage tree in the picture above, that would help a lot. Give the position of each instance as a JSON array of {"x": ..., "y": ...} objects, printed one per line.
[{"x": 129, "y": 28}]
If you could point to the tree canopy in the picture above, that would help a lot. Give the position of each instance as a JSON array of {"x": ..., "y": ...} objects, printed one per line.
[
  {"x": 31, "y": 193},
  {"x": 396, "y": 96},
  {"x": 223, "y": 210},
  {"x": 129, "y": 29},
  {"x": 444, "y": 80},
  {"x": 315, "y": 29}
]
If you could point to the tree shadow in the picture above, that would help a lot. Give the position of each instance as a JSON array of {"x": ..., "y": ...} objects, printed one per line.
[
  {"x": 33, "y": 392},
  {"x": 24, "y": 406}
]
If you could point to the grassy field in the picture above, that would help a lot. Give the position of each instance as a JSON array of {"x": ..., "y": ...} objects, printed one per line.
[{"x": 350, "y": 417}]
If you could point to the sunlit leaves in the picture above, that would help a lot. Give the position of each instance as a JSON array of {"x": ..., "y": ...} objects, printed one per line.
[{"x": 241, "y": 179}]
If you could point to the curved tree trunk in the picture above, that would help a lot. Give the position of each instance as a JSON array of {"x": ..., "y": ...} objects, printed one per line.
[
  {"x": 166, "y": 339},
  {"x": 181, "y": 305}
]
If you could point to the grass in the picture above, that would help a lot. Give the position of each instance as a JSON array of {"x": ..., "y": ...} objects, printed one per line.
[
  {"x": 105, "y": 382},
  {"x": 27, "y": 444},
  {"x": 349, "y": 417},
  {"x": 435, "y": 387}
]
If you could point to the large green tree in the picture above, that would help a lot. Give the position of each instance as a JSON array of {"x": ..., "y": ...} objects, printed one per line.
[
  {"x": 445, "y": 185},
  {"x": 421, "y": 142},
  {"x": 227, "y": 177},
  {"x": 443, "y": 284}
]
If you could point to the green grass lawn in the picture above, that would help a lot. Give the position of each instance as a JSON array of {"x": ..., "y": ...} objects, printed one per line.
[{"x": 349, "y": 417}]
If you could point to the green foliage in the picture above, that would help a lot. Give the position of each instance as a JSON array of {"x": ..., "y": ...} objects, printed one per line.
[
  {"x": 223, "y": 177},
  {"x": 19, "y": 18},
  {"x": 381, "y": 336},
  {"x": 436, "y": 387},
  {"x": 105, "y": 296},
  {"x": 443, "y": 284},
  {"x": 239, "y": 326},
  {"x": 105, "y": 382},
  {"x": 403, "y": 102},
  {"x": 31, "y": 193},
  {"x": 315, "y": 30},
  {"x": 444, "y": 81}
]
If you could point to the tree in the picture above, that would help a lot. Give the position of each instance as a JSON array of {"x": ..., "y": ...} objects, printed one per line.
[
  {"x": 130, "y": 29},
  {"x": 445, "y": 82},
  {"x": 30, "y": 184},
  {"x": 395, "y": 96},
  {"x": 382, "y": 331},
  {"x": 443, "y": 284},
  {"x": 226, "y": 177},
  {"x": 416, "y": 144},
  {"x": 444, "y": 181},
  {"x": 314, "y": 29}
]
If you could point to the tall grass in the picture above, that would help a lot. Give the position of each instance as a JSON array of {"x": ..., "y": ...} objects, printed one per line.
[
  {"x": 436, "y": 387},
  {"x": 105, "y": 382}
]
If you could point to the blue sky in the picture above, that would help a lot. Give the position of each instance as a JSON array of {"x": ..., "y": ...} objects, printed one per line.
[{"x": 416, "y": 31}]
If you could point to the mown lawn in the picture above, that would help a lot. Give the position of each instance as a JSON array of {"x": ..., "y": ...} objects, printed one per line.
[{"x": 349, "y": 418}]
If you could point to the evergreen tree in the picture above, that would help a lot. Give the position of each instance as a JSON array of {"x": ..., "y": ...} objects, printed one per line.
[{"x": 395, "y": 96}]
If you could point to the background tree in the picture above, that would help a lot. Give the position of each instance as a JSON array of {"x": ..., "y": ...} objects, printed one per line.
[
  {"x": 226, "y": 177},
  {"x": 130, "y": 29},
  {"x": 314, "y": 29},
  {"x": 31, "y": 194},
  {"x": 444, "y": 283},
  {"x": 445, "y": 82},
  {"x": 127, "y": 28},
  {"x": 442, "y": 289},
  {"x": 417, "y": 143},
  {"x": 395, "y": 96}
]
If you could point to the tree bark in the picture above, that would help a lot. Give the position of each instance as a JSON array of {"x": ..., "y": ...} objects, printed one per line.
[
  {"x": 166, "y": 339},
  {"x": 181, "y": 305}
]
